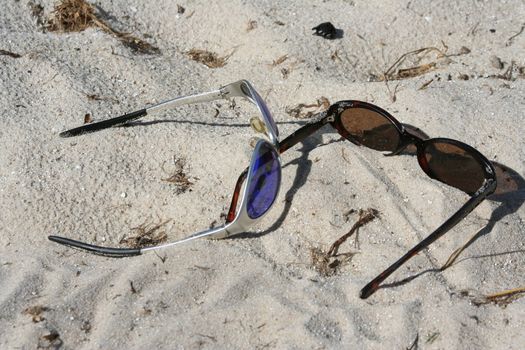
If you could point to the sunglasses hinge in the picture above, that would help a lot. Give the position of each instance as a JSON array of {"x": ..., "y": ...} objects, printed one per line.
[{"x": 329, "y": 119}]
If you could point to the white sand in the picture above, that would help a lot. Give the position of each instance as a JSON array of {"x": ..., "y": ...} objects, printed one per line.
[{"x": 260, "y": 290}]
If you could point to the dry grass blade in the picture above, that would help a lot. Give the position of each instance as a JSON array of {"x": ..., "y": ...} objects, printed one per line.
[
  {"x": 397, "y": 73},
  {"x": 208, "y": 58},
  {"x": 78, "y": 15},
  {"x": 426, "y": 84},
  {"x": 502, "y": 299},
  {"x": 415, "y": 71},
  {"x": 452, "y": 258},
  {"x": 279, "y": 60},
  {"x": 147, "y": 235},
  {"x": 509, "y": 40}
]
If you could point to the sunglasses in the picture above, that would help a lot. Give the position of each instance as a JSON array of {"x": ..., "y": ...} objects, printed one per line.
[
  {"x": 449, "y": 161},
  {"x": 262, "y": 177}
]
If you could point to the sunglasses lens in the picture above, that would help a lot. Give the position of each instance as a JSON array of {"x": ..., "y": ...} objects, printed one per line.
[
  {"x": 265, "y": 181},
  {"x": 370, "y": 129},
  {"x": 454, "y": 165}
]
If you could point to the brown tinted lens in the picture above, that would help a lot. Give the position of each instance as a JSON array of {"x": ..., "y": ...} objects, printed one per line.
[
  {"x": 370, "y": 129},
  {"x": 454, "y": 166}
]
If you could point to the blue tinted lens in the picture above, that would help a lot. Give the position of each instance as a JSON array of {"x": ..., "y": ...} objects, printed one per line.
[
  {"x": 265, "y": 181},
  {"x": 266, "y": 112}
]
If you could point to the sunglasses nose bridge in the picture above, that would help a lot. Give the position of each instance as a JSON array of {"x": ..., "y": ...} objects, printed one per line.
[{"x": 407, "y": 138}]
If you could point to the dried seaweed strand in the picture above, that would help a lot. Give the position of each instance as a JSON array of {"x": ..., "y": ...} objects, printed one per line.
[
  {"x": 501, "y": 298},
  {"x": 78, "y": 15},
  {"x": 146, "y": 235},
  {"x": 365, "y": 216}
]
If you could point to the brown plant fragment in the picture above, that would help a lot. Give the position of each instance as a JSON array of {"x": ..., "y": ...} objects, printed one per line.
[
  {"x": 36, "y": 312},
  {"x": 328, "y": 263},
  {"x": 146, "y": 235},
  {"x": 301, "y": 110},
  {"x": 335, "y": 56},
  {"x": 365, "y": 216},
  {"x": 252, "y": 24},
  {"x": 208, "y": 58},
  {"x": 501, "y": 299},
  {"x": 78, "y": 15},
  {"x": 132, "y": 288},
  {"x": 71, "y": 16},
  {"x": 87, "y": 118},
  {"x": 279, "y": 60},
  {"x": 426, "y": 84},
  {"x": 415, "y": 71},
  {"x": 50, "y": 341},
  {"x": 179, "y": 177},
  {"x": 394, "y": 72}
]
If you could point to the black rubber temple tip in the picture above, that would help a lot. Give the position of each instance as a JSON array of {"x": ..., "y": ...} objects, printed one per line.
[
  {"x": 104, "y": 124},
  {"x": 111, "y": 252}
]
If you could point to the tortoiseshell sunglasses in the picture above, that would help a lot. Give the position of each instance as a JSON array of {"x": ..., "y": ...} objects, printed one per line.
[{"x": 449, "y": 161}]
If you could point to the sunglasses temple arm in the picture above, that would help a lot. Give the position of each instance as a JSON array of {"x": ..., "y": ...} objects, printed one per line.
[
  {"x": 125, "y": 252},
  {"x": 301, "y": 134},
  {"x": 126, "y": 118},
  {"x": 488, "y": 187},
  {"x": 227, "y": 91}
]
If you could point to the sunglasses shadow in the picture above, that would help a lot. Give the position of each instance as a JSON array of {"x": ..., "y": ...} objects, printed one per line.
[
  {"x": 195, "y": 122},
  {"x": 510, "y": 193},
  {"x": 304, "y": 166}
]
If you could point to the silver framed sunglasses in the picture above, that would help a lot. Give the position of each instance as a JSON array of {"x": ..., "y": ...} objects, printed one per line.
[{"x": 259, "y": 183}]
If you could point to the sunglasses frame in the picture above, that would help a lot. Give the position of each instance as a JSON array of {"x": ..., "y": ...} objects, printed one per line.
[
  {"x": 333, "y": 117},
  {"x": 237, "y": 221}
]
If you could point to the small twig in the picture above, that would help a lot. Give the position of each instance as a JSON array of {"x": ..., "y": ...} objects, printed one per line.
[
  {"x": 425, "y": 85},
  {"x": 414, "y": 343},
  {"x": 393, "y": 96},
  {"x": 9, "y": 53},
  {"x": 344, "y": 155},
  {"x": 432, "y": 337},
  {"x": 365, "y": 216},
  {"x": 279, "y": 60},
  {"x": 133, "y": 290},
  {"x": 509, "y": 40}
]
